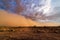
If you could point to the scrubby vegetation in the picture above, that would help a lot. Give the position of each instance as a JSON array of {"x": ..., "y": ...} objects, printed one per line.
[{"x": 30, "y": 33}]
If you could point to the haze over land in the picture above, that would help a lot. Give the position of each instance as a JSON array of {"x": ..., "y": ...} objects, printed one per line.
[
  {"x": 9, "y": 19},
  {"x": 39, "y": 10}
]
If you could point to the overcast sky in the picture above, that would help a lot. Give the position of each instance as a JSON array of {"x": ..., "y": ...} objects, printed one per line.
[{"x": 55, "y": 2}]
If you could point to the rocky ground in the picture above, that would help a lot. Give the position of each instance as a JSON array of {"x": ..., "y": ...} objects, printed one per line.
[{"x": 30, "y": 33}]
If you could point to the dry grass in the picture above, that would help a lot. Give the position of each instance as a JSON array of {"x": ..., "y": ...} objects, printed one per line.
[{"x": 38, "y": 33}]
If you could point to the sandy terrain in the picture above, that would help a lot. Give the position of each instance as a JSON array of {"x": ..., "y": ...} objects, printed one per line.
[
  {"x": 17, "y": 33},
  {"x": 18, "y": 20}
]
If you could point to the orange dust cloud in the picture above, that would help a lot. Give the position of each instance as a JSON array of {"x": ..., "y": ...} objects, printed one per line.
[{"x": 11, "y": 19}]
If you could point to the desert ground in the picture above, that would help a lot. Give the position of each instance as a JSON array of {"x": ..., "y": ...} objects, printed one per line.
[{"x": 32, "y": 33}]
